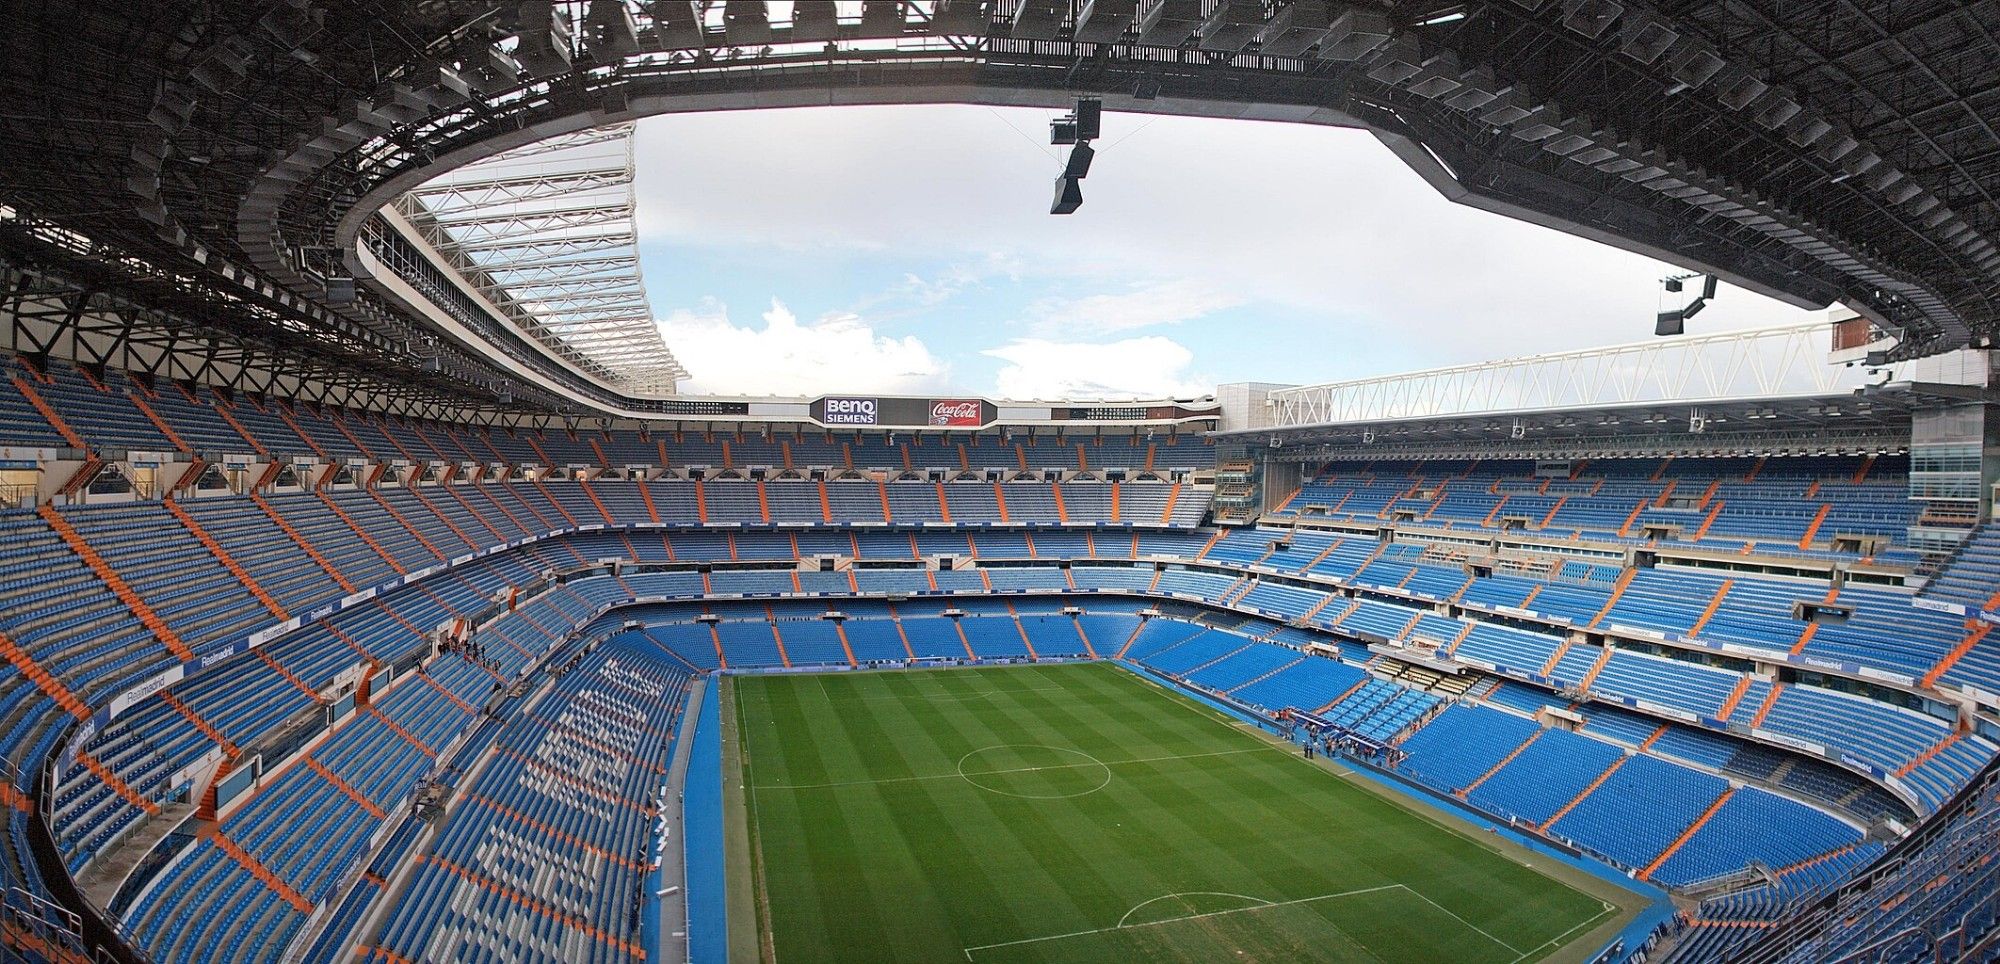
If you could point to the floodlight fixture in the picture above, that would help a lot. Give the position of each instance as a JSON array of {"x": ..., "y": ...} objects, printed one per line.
[
  {"x": 1038, "y": 19},
  {"x": 612, "y": 33},
  {"x": 544, "y": 47},
  {"x": 1104, "y": 21},
  {"x": 1294, "y": 29},
  {"x": 1231, "y": 26},
  {"x": 880, "y": 18},
  {"x": 962, "y": 16},
  {"x": 812, "y": 21},
  {"x": 746, "y": 23}
]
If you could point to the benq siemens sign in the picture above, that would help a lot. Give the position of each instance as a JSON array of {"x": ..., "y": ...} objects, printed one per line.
[
  {"x": 848, "y": 411},
  {"x": 915, "y": 413}
]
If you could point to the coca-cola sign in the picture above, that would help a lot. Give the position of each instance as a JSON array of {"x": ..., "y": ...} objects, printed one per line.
[{"x": 955, "y": 412}]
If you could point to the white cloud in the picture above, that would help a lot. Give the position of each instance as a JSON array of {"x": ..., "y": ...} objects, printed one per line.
[
  {"x": 1148, "y": 367},
  {"x": 1369, "y": 268},
  {"x": 1140, "y": 306},
  {"x": 954, "y": 279},
  {"x": 838, "y": 353}
]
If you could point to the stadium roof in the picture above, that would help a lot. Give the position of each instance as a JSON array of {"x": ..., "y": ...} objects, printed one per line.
[
  {"x": 1757, "y": 365},
  {"x": 546, "y": 232},
  {"x": 1760, "y": 391},
  {"x": 1847, "y": 150}
]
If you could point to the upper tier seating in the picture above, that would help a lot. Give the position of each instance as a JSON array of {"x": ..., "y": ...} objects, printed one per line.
[
  {"x": 1973, "y": 577},
  {"x": 1784, "y": 505},
  {"x": 114, "y": 413}
]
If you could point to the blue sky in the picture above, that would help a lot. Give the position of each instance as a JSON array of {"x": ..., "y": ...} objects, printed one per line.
[{"x": 909, "y": 249}]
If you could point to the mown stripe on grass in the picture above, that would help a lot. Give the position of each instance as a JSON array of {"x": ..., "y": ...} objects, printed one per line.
[{"x": 891, "y": 856}]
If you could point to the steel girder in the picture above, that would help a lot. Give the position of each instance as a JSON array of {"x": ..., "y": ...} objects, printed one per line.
[{"x": 106, "y": 323}]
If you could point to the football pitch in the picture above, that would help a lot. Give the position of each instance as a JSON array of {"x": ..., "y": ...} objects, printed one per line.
[{"x": 1079, "y": 813}]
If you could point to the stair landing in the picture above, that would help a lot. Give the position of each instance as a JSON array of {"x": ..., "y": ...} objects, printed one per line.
[{"x": 100, "y": 881}]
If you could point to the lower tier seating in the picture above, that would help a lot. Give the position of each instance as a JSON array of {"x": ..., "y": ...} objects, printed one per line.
[
  {"x": 149, "y": 751},
  {"x": 550, "y": 843}
]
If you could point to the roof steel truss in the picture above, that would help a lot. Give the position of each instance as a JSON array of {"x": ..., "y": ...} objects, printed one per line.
[{"x": 545, "y": 233}]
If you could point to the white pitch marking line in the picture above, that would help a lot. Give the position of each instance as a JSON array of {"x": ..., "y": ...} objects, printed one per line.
[
  {"x": 1559, "y": 938},
  {"x": 1173, "y": 920},
  {"x": 1121, "y": 925},
  {"x": 1190, "y": 893},
  {"x": 947, "y": 697},
  {"x": 1462, "y": 920},
  {"x": 1055, "y": 766}
]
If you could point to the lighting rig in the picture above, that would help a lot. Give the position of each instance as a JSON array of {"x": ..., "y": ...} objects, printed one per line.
[
  {"x": 1674, "y": 322},
  {"x": 1078, "y": 127}
]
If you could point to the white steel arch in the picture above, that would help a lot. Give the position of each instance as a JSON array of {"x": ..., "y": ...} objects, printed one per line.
[{"x": 1739, "y": 366}]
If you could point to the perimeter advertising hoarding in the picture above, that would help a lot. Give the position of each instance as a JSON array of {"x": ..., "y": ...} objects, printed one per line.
[{"x": 850, "y": 411}]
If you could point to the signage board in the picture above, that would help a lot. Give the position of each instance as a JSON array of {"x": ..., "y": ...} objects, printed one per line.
[
  {"x": 956, "y": 412},
  {"x": 850, "y": 411},
  {"x": 837, "y": 411}
]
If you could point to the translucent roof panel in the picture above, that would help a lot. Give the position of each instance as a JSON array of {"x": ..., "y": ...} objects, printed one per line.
[{"x": 546, "y": 233}]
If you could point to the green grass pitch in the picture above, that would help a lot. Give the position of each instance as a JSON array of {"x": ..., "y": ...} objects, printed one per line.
[{"x": 1079, "y": 813}]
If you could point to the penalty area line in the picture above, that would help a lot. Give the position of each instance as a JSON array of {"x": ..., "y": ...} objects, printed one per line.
[
  {"x": 1557, "y": 941},
  {"x": 969, "y": 951},
  {"x": 1476, "y": 927}
]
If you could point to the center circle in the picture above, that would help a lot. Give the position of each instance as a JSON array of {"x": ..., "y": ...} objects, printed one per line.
[{"x": 1033, "y": 771}]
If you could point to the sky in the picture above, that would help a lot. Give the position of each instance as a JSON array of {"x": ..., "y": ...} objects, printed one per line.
[{"x": 909, "y": 250}]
